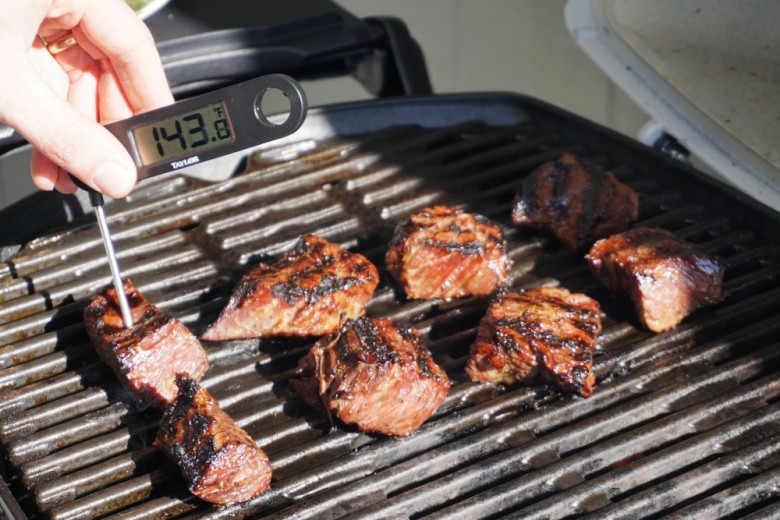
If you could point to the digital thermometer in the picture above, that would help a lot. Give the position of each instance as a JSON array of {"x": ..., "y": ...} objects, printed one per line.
[
  {"x": 208, "y": 126},
  {"x": 192, "y": 131}
]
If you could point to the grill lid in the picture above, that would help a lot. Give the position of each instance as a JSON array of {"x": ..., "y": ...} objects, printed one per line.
[{"x": 707, "y": 71}]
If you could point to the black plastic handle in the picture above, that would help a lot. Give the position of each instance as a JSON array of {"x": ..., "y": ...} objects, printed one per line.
[{"x": 95, "y": 197}]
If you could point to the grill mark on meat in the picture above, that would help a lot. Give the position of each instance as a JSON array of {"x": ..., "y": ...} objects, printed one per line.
[
  {"x": 588, "y": 320},
  {"x": 561, "y": 174},
  {"x": 374, "y": 375},
  {"x": 545, "y": 333},
  {"x": 428, "y": 367},
  {"x": 590, "y": 210},
  {"x": 467, "y": 248},
  {"x": 290, "y": 292},
  {"x": 245, "y": 287},
  {"x": 535, "y": 332},
  {"x": 304, "y": 293},
  {"x": 374, "y": 348}
]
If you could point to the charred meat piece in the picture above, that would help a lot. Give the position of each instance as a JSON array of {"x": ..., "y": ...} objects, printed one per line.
[
  {"x": 147, "y": 356},
  {"x": 546, "y": 334},
  {"x": 372, "y": 374},
  {"x": 666, "y": 277},
  {"x": 303, "y": 294},
  {"x": 220, "y": 461},
  {"x": 576, "y": 200},
  {"x": 442, "y": 252}
]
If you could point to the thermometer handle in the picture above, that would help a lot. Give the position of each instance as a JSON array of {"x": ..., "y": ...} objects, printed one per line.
[{"x": 95, "y": 197}]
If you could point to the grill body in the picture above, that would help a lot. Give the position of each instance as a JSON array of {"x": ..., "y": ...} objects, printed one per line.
[{"x": 684, "y": 423}]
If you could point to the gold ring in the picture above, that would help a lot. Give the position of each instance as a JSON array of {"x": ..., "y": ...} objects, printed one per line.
[{"x": 60, "y": 44}]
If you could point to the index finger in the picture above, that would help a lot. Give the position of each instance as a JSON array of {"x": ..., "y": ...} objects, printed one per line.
[{"x": 110, "y": 29}]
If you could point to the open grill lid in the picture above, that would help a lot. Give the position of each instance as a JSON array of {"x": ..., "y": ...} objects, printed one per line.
[
  {"x": 708, "y": 72},
  {"x": 684, "y": 423}
]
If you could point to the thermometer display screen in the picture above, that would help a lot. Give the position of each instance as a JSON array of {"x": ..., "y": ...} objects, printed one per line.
[{"x": 183, "y": 135}]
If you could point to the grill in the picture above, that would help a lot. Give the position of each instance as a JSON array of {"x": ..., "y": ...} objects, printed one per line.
[{"x": 681, "y": 424}]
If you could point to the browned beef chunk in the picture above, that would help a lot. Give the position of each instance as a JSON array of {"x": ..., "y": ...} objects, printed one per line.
[
  {"x": 147, "y": 356},
  {"x": 220, "y": 461},
  {"x": 547, "y": 334},
  {"x": 666, "y": 277},
  {"x": 576, "y": 200},
  {"x": 303, "y": 294},
  {"x": 442, "y": 252},
  {"x": 372, "y": 374}
]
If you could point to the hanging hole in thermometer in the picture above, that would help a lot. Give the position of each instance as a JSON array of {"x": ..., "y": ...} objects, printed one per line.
[{"x": 272, "y": 102}]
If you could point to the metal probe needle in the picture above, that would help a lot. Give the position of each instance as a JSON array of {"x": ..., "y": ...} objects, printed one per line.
[
  {"x": 96, "y": 201},
  {"x": 121, "y": 297}
]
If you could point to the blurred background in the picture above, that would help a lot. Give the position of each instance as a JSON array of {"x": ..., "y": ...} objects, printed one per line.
[
  {"x": 491, "y": 45},
  {"x": 507, "y": 45}
]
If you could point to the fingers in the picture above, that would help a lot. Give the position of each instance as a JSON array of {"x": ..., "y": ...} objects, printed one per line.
[
  {"x": 48, "y": 176},
  {"x": 126, "y": 78},
  {"x": 113, "y": 104},
  {"x": 44, "y": 172},
  {"x": 82, "y": 72},
  {"x": 73, "y": 75},
  {"x": 71, "y": 140},
  {"x": 111, "y": 30}
]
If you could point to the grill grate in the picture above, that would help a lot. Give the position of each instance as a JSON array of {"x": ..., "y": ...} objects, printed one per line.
[{"x": 684, "y": 423}]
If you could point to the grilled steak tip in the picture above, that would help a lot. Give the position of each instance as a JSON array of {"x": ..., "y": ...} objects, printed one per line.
[
  {"x": 576, "y": 200},
  {"x": 545, "y": 334},
  {"x": 219, "y": 460},
  {"x": 147, "y": 356},
  {"x": 666, "y": 277},
  {"x": 305, "y": 293},
  {"x": 443, "y": 252},
  {"x": 374, "y": 375}
]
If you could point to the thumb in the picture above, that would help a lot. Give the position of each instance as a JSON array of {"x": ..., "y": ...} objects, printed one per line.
[{"x": 68, "y": 138}]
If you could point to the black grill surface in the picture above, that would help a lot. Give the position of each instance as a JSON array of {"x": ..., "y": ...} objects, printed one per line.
[{"x": 684, "y": 424}]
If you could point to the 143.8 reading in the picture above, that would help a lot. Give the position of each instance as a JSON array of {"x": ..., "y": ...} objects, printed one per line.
[{"x": 185, "y": 134}]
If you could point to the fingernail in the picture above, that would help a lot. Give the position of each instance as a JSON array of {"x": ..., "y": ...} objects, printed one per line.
[
  {"x": 43, "y": 183},
  {"x": 114, "y": 179}
]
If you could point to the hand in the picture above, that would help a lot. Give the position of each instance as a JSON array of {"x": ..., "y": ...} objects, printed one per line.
[{"x": 56, "y": 101}]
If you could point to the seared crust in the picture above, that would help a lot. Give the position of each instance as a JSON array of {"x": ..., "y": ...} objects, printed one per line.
[
  {"x": 666, "y": 277},
  {"x": 442, "y": 252},
  {"x": 576, "y": 200},
  {"x": 147, "y": 356},
  {"x": 372, "y": 374},
  {"x": 303, "y": 294},
  {"x": 546, "y": 333},
  {"x": 221, "y": 462}
]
